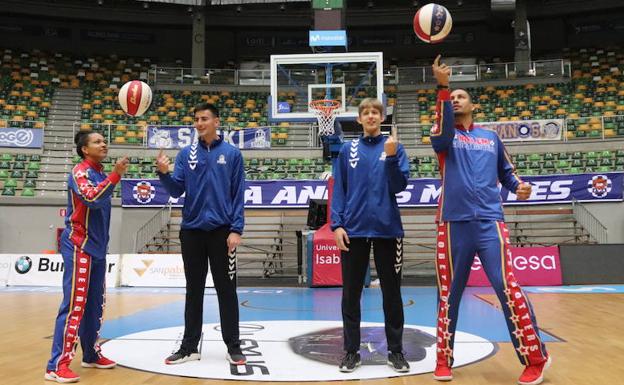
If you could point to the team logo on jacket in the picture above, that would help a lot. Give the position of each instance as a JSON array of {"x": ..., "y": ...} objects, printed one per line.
[
  {"x": 221, "y": 159},
  {"x": 599, "y": 186},
  {"x": 143, "y": 192},
  {"x": 353, "y": 153},
  {"x": 383, "y": 156},
  {"x": 23, "y": 265}
]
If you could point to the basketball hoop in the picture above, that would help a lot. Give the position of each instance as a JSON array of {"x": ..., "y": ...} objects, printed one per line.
[{"x": 325, "y": 111}]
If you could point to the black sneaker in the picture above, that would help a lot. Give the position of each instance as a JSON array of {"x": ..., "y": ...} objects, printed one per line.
[
  {"x": 181, "y": 356},
  {"x": 236, "y": 357},
  {"x": 349, "y": 362},
  {"x": 397, "y": 362}
]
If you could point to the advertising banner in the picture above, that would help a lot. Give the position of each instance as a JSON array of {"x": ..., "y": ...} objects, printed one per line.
[
  {"x": 175, "y": 137},
  {"x": 532, "y": 266},
  {"x": 155, "y": 270},
  {"x": 419, "y": 192},
  {"x": 47, "y": 270},
  {"x": 21, "y": 137},
  {"x": 527, "y": 130}
]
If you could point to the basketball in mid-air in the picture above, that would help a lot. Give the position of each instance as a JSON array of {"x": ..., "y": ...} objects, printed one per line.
[
  {"x": 135, "y": 97},
  {"x": 432, "y": 23}
]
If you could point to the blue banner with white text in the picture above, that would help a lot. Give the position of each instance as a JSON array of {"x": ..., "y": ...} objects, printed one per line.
[
  {"x": 171, "y": 137},
  {"x": 21, "y": 137},
  {"x": 419, "y": 192}
]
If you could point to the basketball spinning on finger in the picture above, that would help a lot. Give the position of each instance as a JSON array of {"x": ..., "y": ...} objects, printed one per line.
[{"x": 432, "y": 23}]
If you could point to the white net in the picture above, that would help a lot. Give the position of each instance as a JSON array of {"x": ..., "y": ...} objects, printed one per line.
[{"x": 326, "y": 112}]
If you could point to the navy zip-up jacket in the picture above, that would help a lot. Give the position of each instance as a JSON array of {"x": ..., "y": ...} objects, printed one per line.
[
  {"x": 366, "y": 182},
  {"x": 472, "y": 162},
  {"x": 213, "y": 178}
]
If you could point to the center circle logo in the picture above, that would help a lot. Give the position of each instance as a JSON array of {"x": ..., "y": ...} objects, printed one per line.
[
  {"x": 275, "y": 348},
  {"x": 23, "y": 264}
]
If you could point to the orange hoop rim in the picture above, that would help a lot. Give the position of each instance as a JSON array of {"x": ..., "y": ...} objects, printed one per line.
[{"x": 326, "y": 106}]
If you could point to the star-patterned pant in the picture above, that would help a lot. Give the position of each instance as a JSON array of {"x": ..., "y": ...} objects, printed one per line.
[{"x": 457, "y": 244}]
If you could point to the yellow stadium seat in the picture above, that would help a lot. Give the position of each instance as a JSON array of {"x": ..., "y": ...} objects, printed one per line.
[
  {"x": 426, "y": 140},
  {"x": 119, "y": 140}
]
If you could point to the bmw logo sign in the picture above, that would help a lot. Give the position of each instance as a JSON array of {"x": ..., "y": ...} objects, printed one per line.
[{"x": 23, "y": 265}]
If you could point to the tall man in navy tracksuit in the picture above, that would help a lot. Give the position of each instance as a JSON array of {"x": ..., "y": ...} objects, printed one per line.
[
  {"x": 369, "y": 172},
  {"x": 473, "y": 161},
  {"x": 211, "y": 173}
]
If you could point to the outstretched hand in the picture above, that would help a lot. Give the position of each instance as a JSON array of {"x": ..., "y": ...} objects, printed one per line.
[{"x": 442, "y": 72}]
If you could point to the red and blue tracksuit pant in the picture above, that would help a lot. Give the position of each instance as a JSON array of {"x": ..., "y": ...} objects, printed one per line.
[
  {"x": 457, "y": 244},
  {"x": 80, "y": 314}
]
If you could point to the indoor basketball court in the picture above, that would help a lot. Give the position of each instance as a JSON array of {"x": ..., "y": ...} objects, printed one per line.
[{"x": 284, "y": 81}]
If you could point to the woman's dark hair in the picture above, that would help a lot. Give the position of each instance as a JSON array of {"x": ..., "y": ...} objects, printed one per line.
[{"x": 81, "y": 139}]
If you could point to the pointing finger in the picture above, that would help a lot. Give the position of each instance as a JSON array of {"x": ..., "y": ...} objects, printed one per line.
[
  {"x": 394, "y": 133},
  {"x": 436, "y": 62}
]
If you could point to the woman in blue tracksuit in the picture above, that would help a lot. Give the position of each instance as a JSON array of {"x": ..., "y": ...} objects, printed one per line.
[
  {"x": 84, "y": 243},
  {"x": 473, "y": 161},
  {"x": 369, "y": 172}
]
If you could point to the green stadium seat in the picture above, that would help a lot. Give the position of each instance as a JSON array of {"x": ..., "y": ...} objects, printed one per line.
[
  {"x": 17, "y": 174},
  {"x": 19, "y": 165},
  {"x": 6, "y": 157},
  {"x": 8, "y": 191},
  {"x": 28, "y": 192},
  {"x": 4, "y": 174},
  {"x": 20, "y": 158},
  {"x": 5, "y": 165},
  {"x": 10, "y": 183},
  {"x": 34, "y": 166},
  {"x": 31, "y": 174}
]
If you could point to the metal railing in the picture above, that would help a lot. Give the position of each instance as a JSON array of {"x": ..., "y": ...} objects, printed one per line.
[
  {"x": 589, "y": 222},
  {"x": 152, "y": 228},
  {"x": 406, "y": 75},
  {"x": 492, "y": 71},
  {"x": 597, "y": 127}
]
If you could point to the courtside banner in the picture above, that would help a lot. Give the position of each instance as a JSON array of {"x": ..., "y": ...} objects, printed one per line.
[
  {"x": 532, "y": 266},
  {"x": 155, "y": 270},
  {"x": 47, "y": 270},
  {"x": 527, "y": 130},
  {"x": 21, "y": 137},
  {"x": 176, "y": 137},
  {"x": 5, "y": 268},
  {"x": 419, "y": 192}
]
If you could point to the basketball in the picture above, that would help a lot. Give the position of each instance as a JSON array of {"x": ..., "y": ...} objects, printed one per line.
[
  {"x": 432, "y": 23},
  {"x": 135, "y": 97}
]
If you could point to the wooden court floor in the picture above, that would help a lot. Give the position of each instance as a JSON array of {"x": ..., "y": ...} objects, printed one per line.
[{"x": 589, "y": 325}]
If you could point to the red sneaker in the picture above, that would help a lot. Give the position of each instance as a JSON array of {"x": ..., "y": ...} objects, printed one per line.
[
  {"x": 442, "y": 373},
  {"x": 63, "y": 375},
  {"x": 101, "y": 363},
  {"x": 534, "y": 374}
]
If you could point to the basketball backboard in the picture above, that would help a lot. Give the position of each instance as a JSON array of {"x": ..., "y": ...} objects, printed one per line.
[{"x": 296, "y": 80}]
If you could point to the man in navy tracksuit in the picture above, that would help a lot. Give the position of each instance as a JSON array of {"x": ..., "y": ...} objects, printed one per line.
[
  {"x": 473, "y": 161},
  {"x": 211, "y": 173},
  {"x": 369, "y": 172}
]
